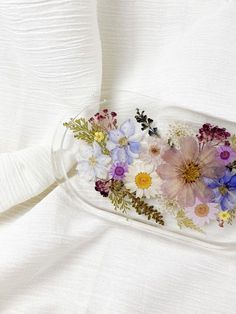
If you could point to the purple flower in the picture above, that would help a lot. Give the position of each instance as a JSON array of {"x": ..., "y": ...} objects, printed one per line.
[
  {"x": 226, "y": 154},
  {"x": 124, "y": 143},
  {"x": 118, "y": 170},
  {"x": 103, "y": 187},
  {"x": 224, "y": 190}
]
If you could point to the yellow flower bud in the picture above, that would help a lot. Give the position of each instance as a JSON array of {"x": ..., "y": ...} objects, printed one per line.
[
  {"x": 99, "y": 136},
  {"x": 224, "y": 215}
]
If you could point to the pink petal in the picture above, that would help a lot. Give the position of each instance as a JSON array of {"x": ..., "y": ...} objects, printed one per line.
[
  {"x": 186, "y": 196},
  {"x": 208, "y": 155},
  {"x": 173, "y": 156},
  {"x": 166, "y": 171},
  {"x": 203, "y": 192},
  {"x": 210, "y": 165},
  {"x": 171, "y": 187},
  {"x": 213, "y": 171},
  {"x": 189, "y": 148}
]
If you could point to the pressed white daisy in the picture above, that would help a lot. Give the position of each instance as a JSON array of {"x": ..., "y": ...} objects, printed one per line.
[
  {"x": 202, "y": 213},
  {"x": 152, "y": 148},
  {"x": 177, "y": 131},
  {"x": 92, "y": 163},
  {"x": 142, "y": 179}
]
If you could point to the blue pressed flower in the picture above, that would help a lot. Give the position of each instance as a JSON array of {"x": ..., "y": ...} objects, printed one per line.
[
  {"x": 124, "y": 143},
  {"x": 224, "y": 190}
]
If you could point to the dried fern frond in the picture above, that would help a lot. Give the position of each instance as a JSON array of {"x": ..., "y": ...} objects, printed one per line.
[
  {"x": 81, "y": 130},
  {"x": 120, "y": 202},
  {"x": 118, "y": 197},
  {"x": 143, "y": 208}
]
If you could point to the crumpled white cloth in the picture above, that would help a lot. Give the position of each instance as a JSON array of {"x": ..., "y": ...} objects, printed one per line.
[{"x": 56, "y": 257}]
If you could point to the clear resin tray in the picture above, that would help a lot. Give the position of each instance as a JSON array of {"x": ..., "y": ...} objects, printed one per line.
[{"x": 163, "y": 169}]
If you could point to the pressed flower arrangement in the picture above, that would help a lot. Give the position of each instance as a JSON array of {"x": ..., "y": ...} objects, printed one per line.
[{"x": 190, "y": 174}]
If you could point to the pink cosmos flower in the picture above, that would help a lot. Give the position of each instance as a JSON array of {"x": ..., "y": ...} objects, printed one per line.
[
  {"x": 226, "y": 154},
  {"x": 202, "y": 213},
  {"x": 184, "y": 170}
]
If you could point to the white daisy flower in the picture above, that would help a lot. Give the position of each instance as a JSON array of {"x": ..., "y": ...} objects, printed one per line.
[
  {"x": 152, "y": 148},
  {"x": 92, "y": 163},
  {"x": 142, "y": 179}
]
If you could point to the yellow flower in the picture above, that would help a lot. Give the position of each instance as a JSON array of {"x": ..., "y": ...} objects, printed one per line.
[
  {"x": 99, "y": 136},
  {"x": 143, "y": 180},
  {"x": 224, "y": 215}
]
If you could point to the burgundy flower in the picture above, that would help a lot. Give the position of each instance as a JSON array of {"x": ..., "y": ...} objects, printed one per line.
[
  {"x": 113, "y": 114},
  {"x": 103, "y": 187},
  {"x": 107, "y": 120},
  {"x": 210, "y": 133}
]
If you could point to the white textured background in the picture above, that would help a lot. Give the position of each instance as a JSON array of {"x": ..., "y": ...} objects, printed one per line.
[{"x": 55, "y": 258}]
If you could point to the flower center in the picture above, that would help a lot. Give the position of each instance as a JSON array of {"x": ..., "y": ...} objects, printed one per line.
[
  {"x": 92, "y": 161},
  {"x": 201, "y": 210},
  {"x": 223, "y": 189},
  {"x": 191, "y": 172},
  {"x": 154, "y": 150},
  {"x": 143, "y": 180},
  {"x": 224, "y": 155},
  {"x": 119, "y": 171},
  {"x": 123, "y": 141}
]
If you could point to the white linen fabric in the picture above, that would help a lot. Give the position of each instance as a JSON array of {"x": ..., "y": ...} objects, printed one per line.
[{"x": 56, "y": 257}]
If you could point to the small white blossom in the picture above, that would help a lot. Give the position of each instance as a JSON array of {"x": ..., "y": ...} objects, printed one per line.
[
  {"x": 178, "y": 130},
  {"x": 152, "y": 149}
]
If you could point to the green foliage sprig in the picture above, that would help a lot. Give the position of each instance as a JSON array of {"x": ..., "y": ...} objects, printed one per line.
[
  {"x": 119, "y": 201},
  {"x": 186, "y": 222},
  {"x": 123, "y": 200},
  {"x": 82, "y": 130},
  {"x": 143, "y": 208},
  {"x": 117, "y": 197}
]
